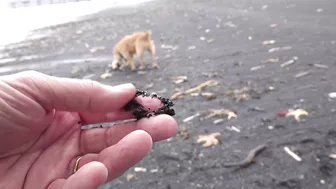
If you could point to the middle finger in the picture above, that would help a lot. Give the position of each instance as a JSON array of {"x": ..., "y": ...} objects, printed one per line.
[
  {"x": 92, "y": 118},
  {"x": 95, "y": 140}
]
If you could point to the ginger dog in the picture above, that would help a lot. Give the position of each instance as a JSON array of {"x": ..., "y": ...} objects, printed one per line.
[{"x": 137, "y": 43}]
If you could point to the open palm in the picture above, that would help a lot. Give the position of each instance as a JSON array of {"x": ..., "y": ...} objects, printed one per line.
[{"x": 41, "y": 136}]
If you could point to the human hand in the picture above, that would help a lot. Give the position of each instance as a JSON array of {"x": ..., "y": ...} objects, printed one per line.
[{"x": 41, "y": 137}]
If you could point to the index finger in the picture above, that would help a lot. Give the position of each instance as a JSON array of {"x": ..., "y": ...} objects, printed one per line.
[
  {"x": 67, "y": 94},
  {"x": 121, "y": 114}
]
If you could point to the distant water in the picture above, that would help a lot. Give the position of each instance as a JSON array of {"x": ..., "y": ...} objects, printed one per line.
[{"x": 16, "y": 24}]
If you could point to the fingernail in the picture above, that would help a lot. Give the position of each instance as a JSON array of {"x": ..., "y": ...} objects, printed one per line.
[
  {"x": 121, "y": 87},
  {"x": 125, "y": 86}
]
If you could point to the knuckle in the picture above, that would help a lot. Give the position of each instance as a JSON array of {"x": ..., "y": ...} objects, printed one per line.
[
  {"x": 88, "y": 83},
  {"x": 31, "y": 73},
  {"x": 93, "y": 87}
]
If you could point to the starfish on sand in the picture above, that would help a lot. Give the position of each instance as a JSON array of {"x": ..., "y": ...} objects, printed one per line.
[
  {"x": 297, "y": 113},
  {"x": 209, "y": 140},
  {"x": 221, "y": 112}
]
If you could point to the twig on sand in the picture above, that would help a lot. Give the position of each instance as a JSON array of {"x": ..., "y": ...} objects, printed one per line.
[
  {"x": 191, "y": 117},
  {"x": 291, "y": 153},
  {"x": 301, "y": 74},
  {"x": 198, "y": 88},
  {"x": 249, "y": 159}
]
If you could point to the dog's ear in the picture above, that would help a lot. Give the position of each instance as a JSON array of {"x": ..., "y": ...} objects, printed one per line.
[{"x": 148, "y": 32}]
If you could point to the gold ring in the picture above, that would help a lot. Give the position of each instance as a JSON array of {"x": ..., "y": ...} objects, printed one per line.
[{"x": 76, "y": 165}]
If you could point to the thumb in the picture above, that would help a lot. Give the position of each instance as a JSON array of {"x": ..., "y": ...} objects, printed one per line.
[{"x": 70, "y": 94}]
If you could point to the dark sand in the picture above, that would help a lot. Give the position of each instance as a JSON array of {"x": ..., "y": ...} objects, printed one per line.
[{"x": 308, "y": 27}]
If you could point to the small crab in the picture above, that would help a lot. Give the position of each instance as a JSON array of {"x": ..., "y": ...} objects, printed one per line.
[{"x": 140, "y": 112}]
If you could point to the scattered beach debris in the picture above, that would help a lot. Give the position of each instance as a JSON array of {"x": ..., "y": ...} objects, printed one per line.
[
  {"x": 217, "y": 121},
  {"x": 208, "y": 140},
  {"x": 332, "y": 95},
  {"x": 196, "y": 89},
  {"x": 179, "y": 79},
  {"x": 184, "y": 134},
  {"x": 191, "y": 117},
  {"x": 322, "y": 66},
  {"x": 169, "y": 47},
  {"x": 154, "y": 170},
  {"x": 296, "y": 113},
  {"x": 130, "y": 177},
  {"x": 164, "y": 90},
  {"x": 233, "y": 128},
  {"x": 273, "y": 25},
  {"x": 292, "y": 154},
  {"x": 268, "y": 42},
  {"x": 210, "y": 74},
  {"x": 301, "y": 74},
  {"x": 333, "y": 156},
  {"x": 244, "y": 93},
  {"x": 140, "y": 169},
  {"x": 289, "y": 62},
  {"x": 319, "y": 10},
  {"x": 257, "y": 68},
  {"x": 220, "y": 113},
  {"x": 89, "y": 76},
  {"x": 230, "y": 24},
  {"x": 75, "y": 70},
  {"x": 140, "y": 72},
  {"x": 106, "y": 75},
  {"x": 238, "y": 63},
  {"x": 249, "y": 159},
  {"x": 256, "y": 109},
  {"x": 211, "y": 40},
  {"x": 279, "y": 49},
  {"x": 208, "y": 95},
  {"x": 226, "y": 113},
  {"x": 206, "y": 60},
  {"x": 148, "y": 86},
  {"x": 271, "y": 60},
  {"x": 264, "y": 7},
  {"x": 282, "y": 114},
  {"x": 95, "y": 49},
  {"x": 191, "y": 47}
]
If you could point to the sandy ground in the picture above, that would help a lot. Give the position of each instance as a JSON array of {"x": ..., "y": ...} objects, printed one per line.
[{"x": 216, "y": 40}]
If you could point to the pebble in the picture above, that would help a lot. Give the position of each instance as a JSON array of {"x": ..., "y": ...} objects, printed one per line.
[
  {"x": 256, "y": 68},
  {"x": 191, "y": 47},
  {"x": 130, "y": 177},
  {"x": 332, "y": 95},
  {"x": 140, "y": 169},
  {"x": 319, "y": 10}
]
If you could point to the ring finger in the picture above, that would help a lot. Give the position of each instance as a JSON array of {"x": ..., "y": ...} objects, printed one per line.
[{"x": 121, "y": 156}]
